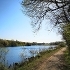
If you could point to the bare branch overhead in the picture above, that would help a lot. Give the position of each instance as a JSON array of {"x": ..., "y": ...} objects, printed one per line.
[{"x": 58, "y": 11}]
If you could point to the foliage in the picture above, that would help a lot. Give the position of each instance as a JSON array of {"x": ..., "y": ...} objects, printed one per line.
[
  {"x": 62, "y": 44},
  {"x": 67, "y": 60},
  {"x": 56, "y": 43},
  {"x": 12, "y": 43},
  {"x": 57, "y": 11},
  {"x": 6, "y": 43},
  {"x": 2, "y": 67},
  {"x": 66, "y": 34}
]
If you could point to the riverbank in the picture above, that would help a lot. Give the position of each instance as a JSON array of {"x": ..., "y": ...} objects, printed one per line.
[
  {"x": 13, "y": 43},
  {"x": 66, "y": 60},
  {"x": 35, "y": 63}
]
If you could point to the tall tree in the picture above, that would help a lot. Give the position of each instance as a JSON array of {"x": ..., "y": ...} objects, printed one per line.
[
  {"x": 58, "y": 11},
  {"x": 66, "y": 34}
]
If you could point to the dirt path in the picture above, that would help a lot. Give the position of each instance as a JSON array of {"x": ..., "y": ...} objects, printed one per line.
[{"x": 55, "y": 62}]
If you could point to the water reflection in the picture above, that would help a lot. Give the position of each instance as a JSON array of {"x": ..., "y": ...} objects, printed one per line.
[
  {"x": 23, "y": 55},
  {"x": 19, "y": 54},
  {"x": 32, "y": 51}
]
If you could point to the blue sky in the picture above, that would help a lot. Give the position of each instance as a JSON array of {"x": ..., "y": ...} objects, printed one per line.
[{"x": 15, "y": 25}]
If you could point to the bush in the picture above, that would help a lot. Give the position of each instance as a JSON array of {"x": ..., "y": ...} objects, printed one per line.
[
  {"x": 62, "y": 44},
  {"x": 67, "y": 60},
  {"x": 2, "y": 67}
]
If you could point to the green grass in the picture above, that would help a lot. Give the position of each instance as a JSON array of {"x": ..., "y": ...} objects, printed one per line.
[
  {"x": 2, "y": 67},
  {"x": 67, "y": 60}
]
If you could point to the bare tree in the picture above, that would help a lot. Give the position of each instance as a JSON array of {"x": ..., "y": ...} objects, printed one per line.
[{"x": 58, "y": 11}]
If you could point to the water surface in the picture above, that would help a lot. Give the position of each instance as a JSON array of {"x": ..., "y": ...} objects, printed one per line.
[{"x": 20, "y": 53}]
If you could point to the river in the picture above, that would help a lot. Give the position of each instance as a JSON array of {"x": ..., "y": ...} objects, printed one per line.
[{"x": 10, "y": 55}]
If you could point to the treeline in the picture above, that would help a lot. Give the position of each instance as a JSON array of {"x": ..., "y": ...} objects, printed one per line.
[
  {"x": 56, "y": 43},
  {"x": 12, "y": 43}
]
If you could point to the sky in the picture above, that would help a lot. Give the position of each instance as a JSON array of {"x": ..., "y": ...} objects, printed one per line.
[{"x": 14, "y": 25}]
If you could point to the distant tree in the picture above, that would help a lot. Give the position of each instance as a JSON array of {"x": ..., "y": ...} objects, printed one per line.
[
  {"x": 1, "y": 45},
  {"x": 5, "y": 43},
  {"x": 62, "y": 44},
  {"x": 58, "y": 11},
  {"x": 28, "y": 44},
  {"x": 13, "y": 43}
]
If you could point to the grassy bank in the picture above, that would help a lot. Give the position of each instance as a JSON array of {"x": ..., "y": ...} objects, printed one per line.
[
  {"x": 33, "y": 63},
  {"x": 67, "y": 60}
]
